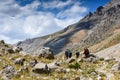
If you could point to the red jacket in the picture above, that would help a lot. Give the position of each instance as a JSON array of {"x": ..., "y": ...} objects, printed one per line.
[{"x": 86, "y": 51}]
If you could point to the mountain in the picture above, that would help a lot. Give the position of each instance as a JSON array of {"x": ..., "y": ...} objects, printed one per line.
[{"x": 89, "y": 31}]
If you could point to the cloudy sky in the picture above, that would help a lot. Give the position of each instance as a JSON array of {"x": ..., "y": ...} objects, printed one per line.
[{"x": 22, "y": 19}]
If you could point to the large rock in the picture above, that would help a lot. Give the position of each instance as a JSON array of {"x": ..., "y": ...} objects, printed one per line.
[
  {"x": 10, "y": 50},
  {"x": 33, "y": 62},
  {"x": 52, "y": 65},
  {"x": 116, "y": 66},
  {"x": 17, "y": 49},
  {"x": 41, "y": 68},
  {"x": 8, "y": 72},
  {"x": 46, "y": 53},
  {"x": 70, "y": 60},
  {"x": 19, "y": 61},
  {"x": 77, "y": 78},
  {"x": 44, "y": 68},
  {"x": 92, "y": 59}
]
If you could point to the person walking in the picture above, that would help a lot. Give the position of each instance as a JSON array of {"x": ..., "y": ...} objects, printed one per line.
[
  {"x": 86, "y": 52},
  {"x": 66, "y": 53},
  {"x": 77, "y": 53},
  {"x": 69, "y": 53}
]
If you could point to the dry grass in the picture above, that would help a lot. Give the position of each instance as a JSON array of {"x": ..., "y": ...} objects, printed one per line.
[
  {"x": 110, "y": 41},
  {"x": 78, "y": 36}
]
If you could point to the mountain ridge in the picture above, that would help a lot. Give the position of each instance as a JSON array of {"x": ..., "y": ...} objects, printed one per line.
[{"x": 93, "y": 28}]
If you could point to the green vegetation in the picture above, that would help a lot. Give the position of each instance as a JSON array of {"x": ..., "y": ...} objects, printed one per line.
[
  {"x": 2, "y": 41},
  {"x": 74, "y": 66}
]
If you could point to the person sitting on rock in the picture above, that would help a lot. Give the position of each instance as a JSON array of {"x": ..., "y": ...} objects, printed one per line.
[
  {"x": 86, "y": 52},
  {"x": 77, "y": 54}
]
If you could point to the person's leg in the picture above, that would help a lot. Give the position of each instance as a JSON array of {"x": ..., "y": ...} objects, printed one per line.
[{"x": 86, "y": 55}]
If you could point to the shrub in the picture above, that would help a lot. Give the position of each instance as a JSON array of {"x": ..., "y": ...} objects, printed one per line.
[
  {"x": 74, "y": 66},
  {"x": 2, "y": 41},
  {"x": 6, "y": 45}
]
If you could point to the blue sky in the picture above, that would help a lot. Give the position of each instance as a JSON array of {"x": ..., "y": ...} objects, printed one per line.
[{"x": 22, "y": 19}]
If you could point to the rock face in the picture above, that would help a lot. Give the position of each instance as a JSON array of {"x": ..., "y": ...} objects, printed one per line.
[
  {"x": 91, "y": 29},
  {"x": 46, "y": 53}
]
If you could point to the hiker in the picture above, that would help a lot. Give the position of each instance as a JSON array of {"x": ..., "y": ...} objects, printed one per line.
[
  {"x": 66, "y": 53},
  {"x": 77, "y": 54},
  {"x": 69, "y": 54},
  {"x": 86, "y": 52}
]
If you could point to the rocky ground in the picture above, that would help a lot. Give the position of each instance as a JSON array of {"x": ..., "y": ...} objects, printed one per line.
[{"x": 17, "y": 65}]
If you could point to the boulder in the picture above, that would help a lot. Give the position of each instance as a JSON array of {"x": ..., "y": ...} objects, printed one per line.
[
  {"x": 46, "y": 53},
  {"x": 0, "y": 54},
  {"x": 8, "y": 72},
  {"x": 53, "y": 66},
  {"x": 41, "y": 68},
  {"x": 10, "y": 50},
  {"x": 92, "y": 59},
  {"x": 44, "y": 68},
  {"x": 79, "y": 60},
  {"x": 116, "y": 66},
  {"x": 70, "y": 60},
  {"x": 77, "y": 78},
  {"x": 19, "y": 61},
  {"x": 17, "y": 49},
  {"x": 33, "y": 62}
]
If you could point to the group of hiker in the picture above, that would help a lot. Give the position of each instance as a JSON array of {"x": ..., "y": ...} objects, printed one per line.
[{"x": 68, "y": 53}]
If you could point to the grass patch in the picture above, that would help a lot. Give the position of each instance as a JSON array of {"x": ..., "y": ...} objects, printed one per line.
[{"x": 74, "y": 66}]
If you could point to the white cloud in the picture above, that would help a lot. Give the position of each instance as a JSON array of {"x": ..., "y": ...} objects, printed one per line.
[
  {"x": 41, "y": 24},
  {"x": 70, "y": 15},
  {"x": 18, "y": 23},
  {"x": 56, "y": 4},
  {"x": 68, "y": 21},
  {"x": 8, "y": 39},
  {"x": 74, "y": 11}
]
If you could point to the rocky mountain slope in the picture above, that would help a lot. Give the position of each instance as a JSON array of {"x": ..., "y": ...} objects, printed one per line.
[
  {"x": 16, "y": 66},
  {"x": 92, "y": 29}
]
